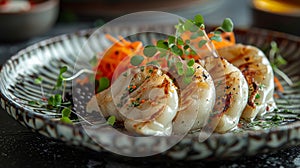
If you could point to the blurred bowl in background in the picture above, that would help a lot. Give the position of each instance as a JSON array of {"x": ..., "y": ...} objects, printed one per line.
[
  {"x": 278, "y": 15},
  {"x": 21, "y": 20}
]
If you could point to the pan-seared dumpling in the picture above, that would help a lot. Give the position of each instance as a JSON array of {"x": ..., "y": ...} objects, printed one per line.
[
  {"x": 259, "y": 75},
  {"x": 231, "y": 93},
  {"x": 196, "y": 101},
  {"x": 145, "y": 99}
]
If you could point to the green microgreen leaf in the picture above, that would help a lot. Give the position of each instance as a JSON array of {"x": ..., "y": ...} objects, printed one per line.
[
  {"x": 217, "y": 32},
  {"x": 150, "y": 51},
  {"x": 179, "y": 67},
  {"x": 32, "y": 102},
  {"x": 171, "y": 41},
  {"x": 163, "y": 53},
  {"x": 55, "y": 100},
  {"x": 59, "y": 82},
  {"x": 180, "y": 41},
  {"x": 103, "y": 84},
  {"x": 257, "y": 96},
  {"x": 216, "y": 38},
  {"x": 193, "y": 52},
  {"x": 180, "y": 71},
  {"x": 179, "y": 64},
  {"x": 177, "y": 50},
  {"x": 200, "y": 33},
  {"x": 191, "y": 62},
  {"x": 202, "y": 43},
  {"x": 180, "y": 28},
  {"x": 66, "y": 112},
  {"x": 66, "y": 120},
  {"x": 63, "y": 70},
  {"x": 227, "y": 25},
  {"x": 190, "y": 26},
  {"x": 280, "y": 60},
  {"x": 199, "y": 20},
  {"x": 38, "y": 80},
  {"x": 136, "y": 60},
  {"x": 277, "y": 118},
  {"x": 189, "y": 71},
  {"x": 111, "y": 120},
  {"x": 185, "y": 47},
  {"x": 162, "y": 44},
  {"x": 60, "y": 78},
  {"x": 187, "y": 25}
]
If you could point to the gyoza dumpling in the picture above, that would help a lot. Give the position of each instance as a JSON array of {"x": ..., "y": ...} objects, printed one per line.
[{"x": 259, "y": 75}]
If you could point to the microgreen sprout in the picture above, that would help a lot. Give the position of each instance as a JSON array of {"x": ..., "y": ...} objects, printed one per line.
[
  {"x": 175, "y": 46},
  {"x": 66, "y": 113},
  {"x": 39, "y": 81},
  {"x": 136, "y": 60},
  {"x": 276, "y": 61},
  {"x": 111, "y": 120}
]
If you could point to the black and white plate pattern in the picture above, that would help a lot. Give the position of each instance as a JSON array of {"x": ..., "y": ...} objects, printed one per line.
[{"x": 45, "y": 58}]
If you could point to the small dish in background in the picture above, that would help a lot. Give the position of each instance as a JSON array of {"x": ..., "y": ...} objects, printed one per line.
[
  {"x": 279, "y": 15},
  {"x": 21, "y": 20}
]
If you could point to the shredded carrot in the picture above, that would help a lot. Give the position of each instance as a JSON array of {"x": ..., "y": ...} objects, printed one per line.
[
  {"x": 228, "y": 39},
  {"x": 278, "y": 85},
  {"x": 116, "y": 59},
  {"x": 276, "y": 95},
  {"x": 112, "y": 39}
]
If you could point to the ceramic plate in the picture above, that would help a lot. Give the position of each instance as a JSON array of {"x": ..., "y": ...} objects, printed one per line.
[{"x": 45, "y": 58}]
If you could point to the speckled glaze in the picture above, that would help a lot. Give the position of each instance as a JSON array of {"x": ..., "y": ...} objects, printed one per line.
[{"x": 45, "y": 58}]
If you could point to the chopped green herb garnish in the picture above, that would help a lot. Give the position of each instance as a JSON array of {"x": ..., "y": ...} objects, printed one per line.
[
  {"x": 277, "y": 118},
  {"x": 111, "y": 120}
]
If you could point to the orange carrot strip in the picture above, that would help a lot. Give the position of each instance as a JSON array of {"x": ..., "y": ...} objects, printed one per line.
[
  {"x": 112, "y": 39},
  {"x": 278, "y": 85},
  {"x": 125, "y": 42}
]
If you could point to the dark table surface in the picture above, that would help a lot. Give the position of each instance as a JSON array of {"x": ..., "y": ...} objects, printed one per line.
[{"x": 20, "y": 147}]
